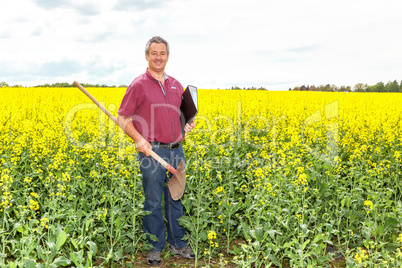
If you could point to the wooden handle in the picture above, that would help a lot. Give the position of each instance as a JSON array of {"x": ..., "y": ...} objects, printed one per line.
[
  {"x": 95, "y": 101},
  {"x": 163, "y": 162}
]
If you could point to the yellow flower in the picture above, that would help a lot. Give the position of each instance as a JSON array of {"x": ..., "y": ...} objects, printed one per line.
[
  {"x": 219, "y": 190},
  {"x": 369, "y": 204},
  {"x": 361, "y": 255},
  {"x": 34, "y": 205},
  {"x": 399, "y": 254},
  {"x": 35, "y": 195},
  {"x": 220, "y": 218},
  {"x": 397, "y": 155},
  {"x": 44, "y": 222},
  {"x": 211, "y": 235}
]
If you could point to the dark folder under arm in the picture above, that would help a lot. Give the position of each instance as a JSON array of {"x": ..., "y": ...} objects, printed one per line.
[{"x": 189, "y": 106}]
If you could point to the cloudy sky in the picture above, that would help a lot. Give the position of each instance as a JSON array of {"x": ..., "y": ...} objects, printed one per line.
[{"x": 276, "y": 44}]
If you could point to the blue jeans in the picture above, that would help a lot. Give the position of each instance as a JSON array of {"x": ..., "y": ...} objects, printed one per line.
[{"x": 154, "y": 182}]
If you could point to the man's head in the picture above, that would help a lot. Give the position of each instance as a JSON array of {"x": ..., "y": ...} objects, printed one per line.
[
  {"x": 159, "y": 40},
  {"x": 157, "y": 54}
]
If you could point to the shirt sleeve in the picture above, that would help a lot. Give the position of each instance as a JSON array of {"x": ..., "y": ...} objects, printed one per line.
[{"x": 131, "y": 100}]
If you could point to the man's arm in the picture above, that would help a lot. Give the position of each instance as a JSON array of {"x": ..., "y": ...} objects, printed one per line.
[{"x": 127, "y": 126}]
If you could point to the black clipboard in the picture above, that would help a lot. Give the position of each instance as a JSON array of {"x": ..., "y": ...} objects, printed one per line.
[{"x": 189, "y": 105}]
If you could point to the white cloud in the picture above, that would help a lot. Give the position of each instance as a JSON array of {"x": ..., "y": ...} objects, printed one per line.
[
  {"x": 138, "y": 5},
  {"x": 86, "y": 8},
  {"x": 275, "y": 44}
]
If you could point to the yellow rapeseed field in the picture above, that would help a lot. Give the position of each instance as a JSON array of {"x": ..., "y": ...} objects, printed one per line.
[{"x": 327, "y": 165}]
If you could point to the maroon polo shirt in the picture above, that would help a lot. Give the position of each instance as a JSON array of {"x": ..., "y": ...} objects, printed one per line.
[{"x": 154, "y": 109}]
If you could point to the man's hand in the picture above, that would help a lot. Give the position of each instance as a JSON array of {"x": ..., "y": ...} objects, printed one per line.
[
  {"x": 189, "y": 127},
  {"x": 143, "y": 146}
]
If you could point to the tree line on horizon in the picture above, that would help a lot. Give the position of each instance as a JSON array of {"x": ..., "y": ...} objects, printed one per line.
[
  {"x": 391, "y": 86},
  {"x": 63, "y": 84}
]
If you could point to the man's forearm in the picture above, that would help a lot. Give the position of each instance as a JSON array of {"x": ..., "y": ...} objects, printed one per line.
[{"x": 127, "y": 126}]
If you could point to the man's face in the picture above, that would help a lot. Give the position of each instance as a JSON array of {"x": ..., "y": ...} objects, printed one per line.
[{"x": 157, "y": 57}]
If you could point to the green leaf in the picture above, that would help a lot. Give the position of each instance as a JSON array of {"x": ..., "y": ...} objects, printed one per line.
[
  {"x": 287, "y": 245},
  {"x": 305, "y": 244},
  {"x": 390, "y": 223},
  {"x": 273, "y": 258},
  {"x": 101, "y": 230},
  {"x": 60, "y": 261},
  {"x": 118, "y": 223},
  {"x": 39, "y": 251},
  {"x": 304, "y": 228},
  {"x": 88, "y": 264},
  {"x": 392, "y": 246},
  {"x": 76, "y": 257},
  {"x": 93, "y": 248},
  {"x": 318, "y": 238},
  {"x": 246, "y": 230},
  {"x": 273, "y": 232},
  {"x": 380, "y": 230},
  {"x": 232, "y": 222},
  {"x": 74, "y": 243},
  {"x": 186, "y": 222},
  {"x": 30, "y": 264},
  {"x": 152, "y": 237},
  {"x": 52, "y": 247},
  {"x": 61, "y": 239},
  {"x": 203, "y": 236},
  {"x": 259, "y": 233},
  {"x": 236, "y": 250}
]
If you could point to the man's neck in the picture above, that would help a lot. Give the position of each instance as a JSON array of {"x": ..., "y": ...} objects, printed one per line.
[{"x": 157, "y": 75}]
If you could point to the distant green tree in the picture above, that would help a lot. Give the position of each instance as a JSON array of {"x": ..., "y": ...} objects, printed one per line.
[
  {"x": 333, "y": 88},
  {"x": 380, "y": 87},
  {"x": 344, "y": 89},
  {"x": 360, "y": 87},
  {"x": 392, "y": 86},
  {"x": 372, "y": 88}
]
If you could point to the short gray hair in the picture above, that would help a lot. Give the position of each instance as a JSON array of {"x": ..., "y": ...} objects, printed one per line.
[{"x": 156, "y": 39}]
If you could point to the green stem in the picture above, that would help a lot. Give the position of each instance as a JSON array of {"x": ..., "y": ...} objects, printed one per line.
[{"x": 134, "y": 214}]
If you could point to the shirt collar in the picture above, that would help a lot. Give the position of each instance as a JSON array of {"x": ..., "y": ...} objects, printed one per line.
[{"x": 150, "y": 75}]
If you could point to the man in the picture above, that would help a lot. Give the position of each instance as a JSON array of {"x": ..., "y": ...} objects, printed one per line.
[{"x": 150, "y": 114}]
